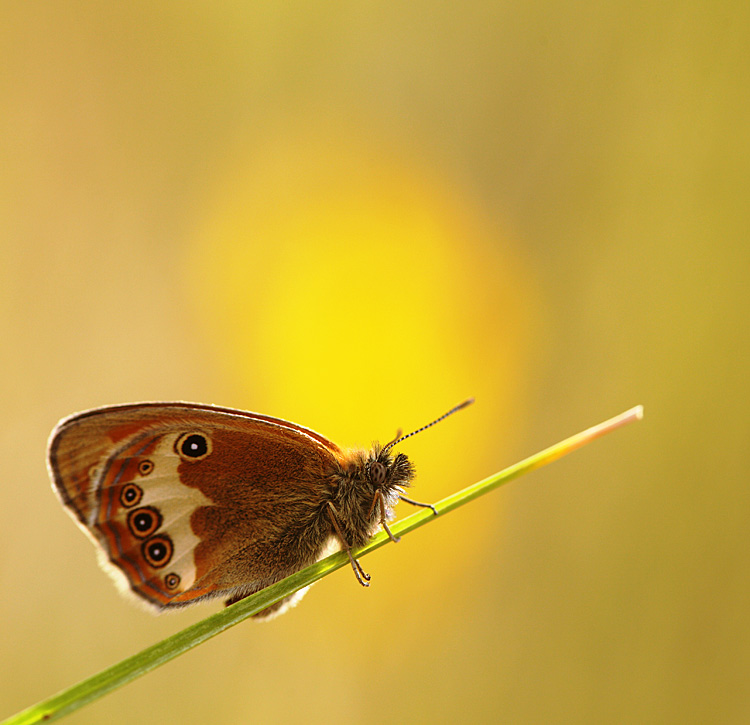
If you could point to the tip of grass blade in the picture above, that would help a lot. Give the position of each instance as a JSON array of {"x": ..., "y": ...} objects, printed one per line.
[
  {"x": 629, "y": 416},
  {"x": 635, "y": 413},
  {"x": 581, "y": 439}
]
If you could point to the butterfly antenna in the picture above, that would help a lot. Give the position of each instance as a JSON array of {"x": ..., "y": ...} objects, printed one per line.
[{"x": 400, "y": 438}]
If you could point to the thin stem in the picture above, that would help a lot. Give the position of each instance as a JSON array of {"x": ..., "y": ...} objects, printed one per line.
[{"x": 129, "y": 669}]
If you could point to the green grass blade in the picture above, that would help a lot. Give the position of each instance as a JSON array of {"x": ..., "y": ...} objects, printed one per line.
[{"x": 139, "y": 664}]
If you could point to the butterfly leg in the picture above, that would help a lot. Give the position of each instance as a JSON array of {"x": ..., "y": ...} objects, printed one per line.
[
  {"x": 384, "y": 523},
  {"x": 379, "y": 498},
  {"x": 362, "y": 576},
  {"x": 419, "y": 503}
]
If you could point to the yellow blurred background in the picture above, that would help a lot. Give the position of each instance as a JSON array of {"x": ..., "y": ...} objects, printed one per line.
[{"x": 354, "y": 216}]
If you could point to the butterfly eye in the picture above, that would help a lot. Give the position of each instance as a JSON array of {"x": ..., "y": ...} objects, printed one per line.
[
  {"x": 193, "y": 446},
  {"x": 157, "y": 551},
  {"x": 377, "y": 473},
  {"x": 144, "y": 521},
  {"x": 145, "y": 467},
  {"x": 130, "y": 495},
  {"x": 172, "y": 580}
]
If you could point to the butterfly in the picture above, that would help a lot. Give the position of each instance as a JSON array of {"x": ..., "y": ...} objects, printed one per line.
[{"x": 187, "y": 502}]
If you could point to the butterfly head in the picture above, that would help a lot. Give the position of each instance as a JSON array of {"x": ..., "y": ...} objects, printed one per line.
[
  {"x": 374, "y": 481},
  {"x": 388, "y": 474}
]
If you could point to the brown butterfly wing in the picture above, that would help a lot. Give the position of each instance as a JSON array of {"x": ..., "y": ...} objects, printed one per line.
[{"x": 191, "y": 501}]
